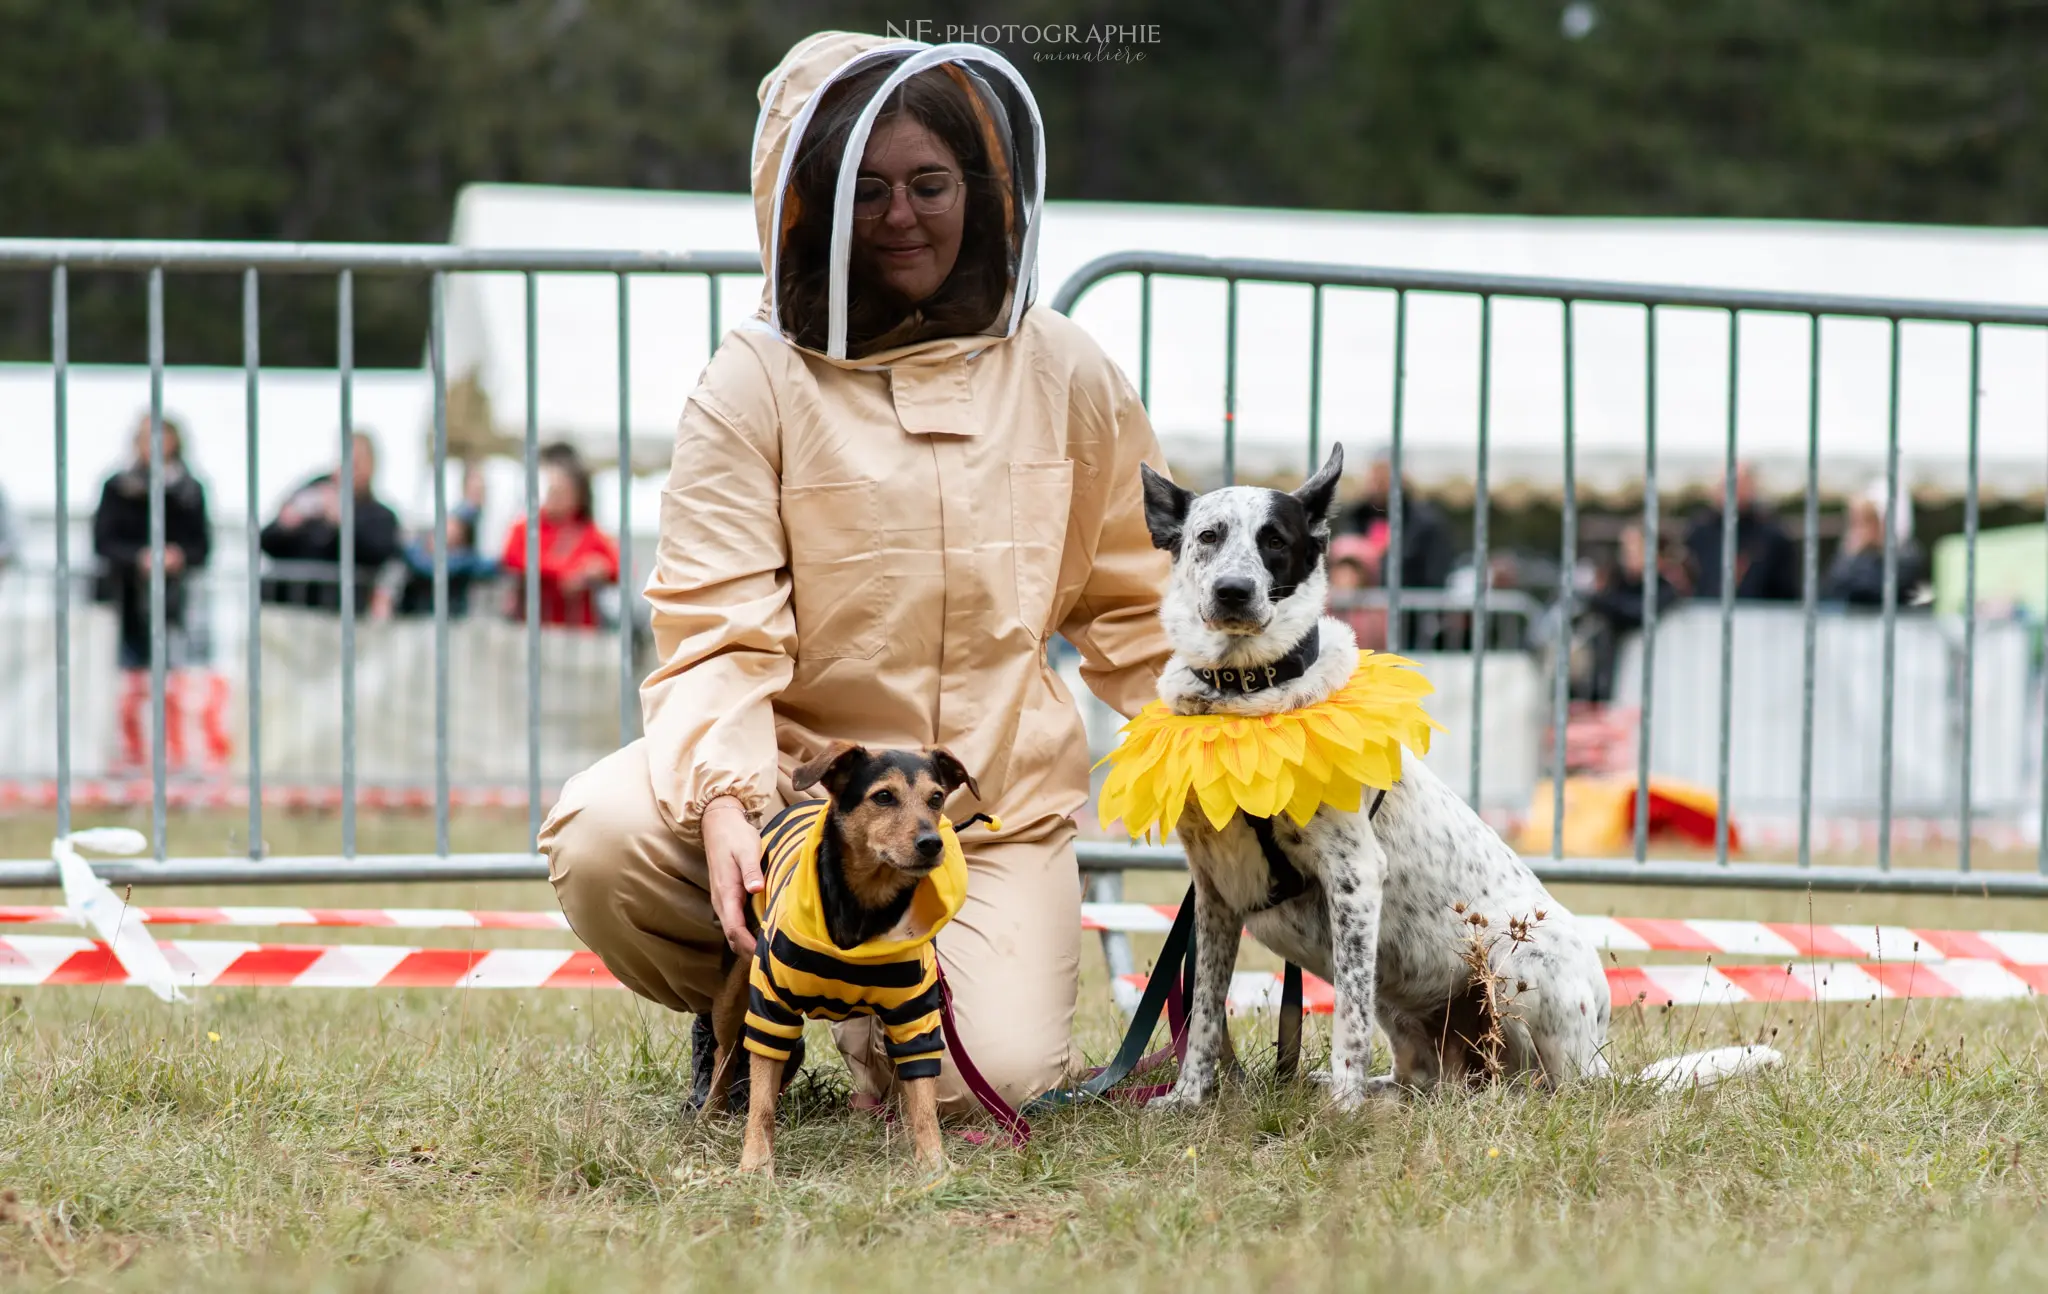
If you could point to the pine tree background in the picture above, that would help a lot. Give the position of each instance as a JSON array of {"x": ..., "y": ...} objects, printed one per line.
[{"x": 361, "y": 119}]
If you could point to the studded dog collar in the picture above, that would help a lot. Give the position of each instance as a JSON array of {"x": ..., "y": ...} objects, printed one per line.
[{"x": 1257, "y": 678}]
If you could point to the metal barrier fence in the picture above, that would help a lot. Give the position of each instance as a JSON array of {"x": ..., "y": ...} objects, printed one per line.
[
  {"x": 344, "y": 261},
  {"x": 1569, "y": 294}
]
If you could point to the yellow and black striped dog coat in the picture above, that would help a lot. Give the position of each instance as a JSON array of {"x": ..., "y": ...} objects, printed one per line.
[{"x": 798, "y": 971}]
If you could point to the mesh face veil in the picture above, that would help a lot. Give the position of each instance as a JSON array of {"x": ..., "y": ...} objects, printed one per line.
[{"x": 805, "y": 109}]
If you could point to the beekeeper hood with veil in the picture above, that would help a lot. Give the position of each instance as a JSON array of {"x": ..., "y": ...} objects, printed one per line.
[
  {"x": 834, "y": 284},
  {"x": 891, "y": 489}
]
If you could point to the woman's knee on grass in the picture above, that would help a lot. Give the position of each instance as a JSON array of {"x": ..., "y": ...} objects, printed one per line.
[
  {"x": 1019, "y": 1063},
  {"x": 632, "y": 891},
  {"x": 606, "y": 825},
  {"x": 586, "y": 844}
]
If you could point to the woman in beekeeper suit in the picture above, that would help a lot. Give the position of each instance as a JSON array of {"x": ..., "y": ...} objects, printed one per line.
[{"x": 890, "y": 489}]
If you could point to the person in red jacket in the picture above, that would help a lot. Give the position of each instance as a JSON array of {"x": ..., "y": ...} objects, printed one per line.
[{"x": 576, "y": 558}]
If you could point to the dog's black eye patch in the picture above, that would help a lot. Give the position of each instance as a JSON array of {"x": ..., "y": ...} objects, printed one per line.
[{"x": 1288, "y": 547}]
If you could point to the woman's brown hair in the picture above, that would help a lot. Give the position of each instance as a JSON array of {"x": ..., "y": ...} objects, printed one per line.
[{"x": 942, "y": 101}]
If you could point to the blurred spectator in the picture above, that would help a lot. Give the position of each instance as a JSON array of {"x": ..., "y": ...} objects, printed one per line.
[
  {"x": 467, "y": 565},
  {"x": 1856, "y": 576},
  {"x": 9, "y": 544},
  {"x": 1506, "y": 628},
  {"x": 1614, "y": 610},
  {"x": 1766, "y": 559},
  {"x": 576, "y": 558},
  {"x": 307, "y": 531},
  {"x": 1351, "y": 574},
  {"x": 120, "y": 539},
  {"x": 1427, "y": 550}
]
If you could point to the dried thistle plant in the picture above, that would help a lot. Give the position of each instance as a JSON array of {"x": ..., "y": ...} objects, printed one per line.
[{"x": 1496, "y": 997}]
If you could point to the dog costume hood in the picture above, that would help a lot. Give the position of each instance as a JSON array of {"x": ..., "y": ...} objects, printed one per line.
[
  {"x": 880, "y": 548},
  {"x": 798, "y": 971}
]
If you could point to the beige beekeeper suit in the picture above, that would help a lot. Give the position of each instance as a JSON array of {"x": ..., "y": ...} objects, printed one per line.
[{"x": 878, "y": 550}]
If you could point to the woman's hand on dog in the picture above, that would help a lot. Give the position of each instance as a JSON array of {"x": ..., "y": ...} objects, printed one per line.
[{"x": 732, "y": 852}]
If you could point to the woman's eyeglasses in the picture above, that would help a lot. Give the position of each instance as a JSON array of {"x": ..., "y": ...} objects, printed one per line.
[{"x": 932, "y": 193}]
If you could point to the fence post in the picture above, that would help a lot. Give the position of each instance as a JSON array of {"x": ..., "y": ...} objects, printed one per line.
[
  {"x": 1731, "y": 520},
  {"x": 345, "y": 344},
  {"x": 158, "y": 631},
  {"x": 437, "y": 350},
  {"x": 1568, "y": 561},
  {"x": 1482, "y": 561},
  {"x": 1646, "y": 689},
  {"x": 252, "y": 362},
  {"x": 60, "y": 372},
  {"x": 1810, "y": 592}
]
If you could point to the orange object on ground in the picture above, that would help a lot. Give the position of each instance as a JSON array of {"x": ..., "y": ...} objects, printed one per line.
[{"x": 1600, "y": 816}]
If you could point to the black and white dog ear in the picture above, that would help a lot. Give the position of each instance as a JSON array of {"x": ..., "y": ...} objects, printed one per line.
[
  {"x": 1166, "y": 508},
  {"x": 1319, "y": 492}
]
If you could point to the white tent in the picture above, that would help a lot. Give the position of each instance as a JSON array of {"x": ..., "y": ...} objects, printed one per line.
[{"x": 672, "y": 336}]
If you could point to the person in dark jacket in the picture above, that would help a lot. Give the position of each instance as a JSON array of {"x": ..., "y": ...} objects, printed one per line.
[
  {"x": 410, "y": 580},
  {"x": 1856, "y": 576},
  {"x": 1766, "y": 559},
  {"x": 1615, "y": 609},
  {"x": 120, "y": 539},
  {"x": 1427, "y": 548},
  {"x": 468, "y": 567},
  {"x": 307, "y": 533}
]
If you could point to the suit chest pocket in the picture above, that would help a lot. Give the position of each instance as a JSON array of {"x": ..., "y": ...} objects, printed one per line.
[
  {"x": 1041, "y": 497},
  {"x": 838, "y": 589}
]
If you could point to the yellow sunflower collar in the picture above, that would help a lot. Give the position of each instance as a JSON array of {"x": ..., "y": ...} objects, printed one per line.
[{"x": 1293, "y": 762}]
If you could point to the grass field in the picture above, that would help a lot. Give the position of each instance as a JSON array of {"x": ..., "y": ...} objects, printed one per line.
[{"x": 280, "y": 1139}]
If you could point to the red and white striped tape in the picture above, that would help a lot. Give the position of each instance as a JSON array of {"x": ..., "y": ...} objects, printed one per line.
[
  {"x": 29, "y": 960},
  {"x": 1821, "y": 982},
  {"x": 1777, "y": 939},
  {"x": 1884, "y": 961},
  {"x": 56, "y": 959},
  {"x": 1704, "y": 935},
  {"x": 1804, "y": 940}
]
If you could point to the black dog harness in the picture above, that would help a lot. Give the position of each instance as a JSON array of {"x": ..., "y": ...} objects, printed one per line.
[{"x": 1286, "y": 881}]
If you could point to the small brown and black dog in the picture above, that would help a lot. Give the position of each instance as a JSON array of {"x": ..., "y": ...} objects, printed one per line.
[{"x": 852, "y": 937}]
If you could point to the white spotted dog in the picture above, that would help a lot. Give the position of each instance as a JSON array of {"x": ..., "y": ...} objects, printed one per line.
[{"x": 1380, "y": 902}]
